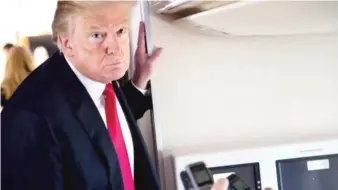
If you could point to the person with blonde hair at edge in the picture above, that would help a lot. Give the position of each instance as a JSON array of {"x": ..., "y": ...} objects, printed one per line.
[{"x": 19, "y": 65}]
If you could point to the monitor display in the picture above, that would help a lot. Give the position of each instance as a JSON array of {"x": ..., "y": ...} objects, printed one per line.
[
  {"x": 248, "y": 172},
  {"x": 308, "y": 173},
  {"x": 238, "y": 184}
]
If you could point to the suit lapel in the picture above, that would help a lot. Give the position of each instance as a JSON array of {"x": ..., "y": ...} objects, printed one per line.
[
  {"x": 144, "y": 175},
  {"x": 87, "y": 114},
  {"x": 128, "y": 115},
  {"x": 92, "y": 123}
]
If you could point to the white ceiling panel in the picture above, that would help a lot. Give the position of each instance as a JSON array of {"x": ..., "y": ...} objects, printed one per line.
[{"x": 271, "y": 18}]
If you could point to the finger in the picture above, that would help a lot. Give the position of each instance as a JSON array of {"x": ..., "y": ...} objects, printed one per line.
[
  {"x": 141, "y": 35},
  {"x": 156, "y": 53},
  {"x": 221, "y": 184}
]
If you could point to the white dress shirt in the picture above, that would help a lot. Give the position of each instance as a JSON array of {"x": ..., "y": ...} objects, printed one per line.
[{"x": 95, "y": 90}]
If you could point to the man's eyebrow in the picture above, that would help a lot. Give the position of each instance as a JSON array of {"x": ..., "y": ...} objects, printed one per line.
[
  {"x": 125, "y": 21},
  {"x": 94, "y": 27}
]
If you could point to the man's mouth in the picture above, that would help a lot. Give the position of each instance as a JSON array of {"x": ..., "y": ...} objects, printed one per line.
[{"x": 115, "y": 63}]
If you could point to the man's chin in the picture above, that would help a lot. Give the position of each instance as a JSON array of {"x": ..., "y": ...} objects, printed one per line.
[{"x": 116, "y": 75}]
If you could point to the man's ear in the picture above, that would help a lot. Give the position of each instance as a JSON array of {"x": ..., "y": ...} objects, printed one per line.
[{"x": 65, "y": 45}]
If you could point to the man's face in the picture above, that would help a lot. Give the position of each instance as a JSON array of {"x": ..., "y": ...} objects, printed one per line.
[{"x": 98, "y": 45}]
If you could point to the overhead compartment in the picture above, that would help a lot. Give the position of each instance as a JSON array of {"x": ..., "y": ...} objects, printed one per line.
[{"x": 252, "y": 18}]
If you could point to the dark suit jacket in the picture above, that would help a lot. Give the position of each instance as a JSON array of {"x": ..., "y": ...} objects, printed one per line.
[
  {"x": 52, "y": 136},
  {"x": 3, "y": 99}
]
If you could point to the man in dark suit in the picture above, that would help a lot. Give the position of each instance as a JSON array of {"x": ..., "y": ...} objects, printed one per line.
[{"x": 68, "y": 126}]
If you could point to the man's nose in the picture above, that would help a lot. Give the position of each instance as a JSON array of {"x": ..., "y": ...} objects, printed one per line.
[{"x": 113, "y": 47}]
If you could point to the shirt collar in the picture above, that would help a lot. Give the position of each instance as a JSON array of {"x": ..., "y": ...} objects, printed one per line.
[{"x": 94, "y": 88}]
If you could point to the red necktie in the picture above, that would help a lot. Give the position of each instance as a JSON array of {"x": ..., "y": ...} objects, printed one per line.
[{"x": 116, "y": 137}]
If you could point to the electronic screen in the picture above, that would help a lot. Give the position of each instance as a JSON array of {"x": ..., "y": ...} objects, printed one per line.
[
  {"x": 237, "y": 184},
  {"x": 240, "y": 185},
  {"x": 308, "y": 173},
  {"x": 201, "y": 174},
  {"x": 248, "y": 172}
]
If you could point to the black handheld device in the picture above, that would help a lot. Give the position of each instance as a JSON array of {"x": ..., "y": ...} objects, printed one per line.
[
  {"x": 186, "y": 180},
  {"x": 200, "y": 176},
  {"x": 236, "y": 183}
]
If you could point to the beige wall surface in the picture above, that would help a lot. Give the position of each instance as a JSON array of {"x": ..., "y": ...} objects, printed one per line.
[{"x": 229, "y": 92}]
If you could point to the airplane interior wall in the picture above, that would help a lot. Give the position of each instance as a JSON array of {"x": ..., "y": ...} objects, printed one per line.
[
  {"x": 218, "y": 93},
  {"x": 145, "y": 122}
]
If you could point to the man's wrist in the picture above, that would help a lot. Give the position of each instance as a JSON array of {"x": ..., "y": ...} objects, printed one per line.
[
  {"x": 142, "y": 90},
  {"x": 139, "y": 82}
]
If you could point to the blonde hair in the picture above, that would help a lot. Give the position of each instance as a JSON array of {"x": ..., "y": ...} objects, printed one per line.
[
  {"x": 18, "y": 66},
  {"x": 66, "y": 10}
]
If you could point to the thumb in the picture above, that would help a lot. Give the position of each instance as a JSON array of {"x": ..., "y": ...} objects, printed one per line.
[{"x": 221, "y": 184}]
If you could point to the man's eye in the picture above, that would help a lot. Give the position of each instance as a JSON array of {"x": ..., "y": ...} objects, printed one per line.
[
  {"x": 97, "y": 35},
  {"x": 122, "y": 31}
]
